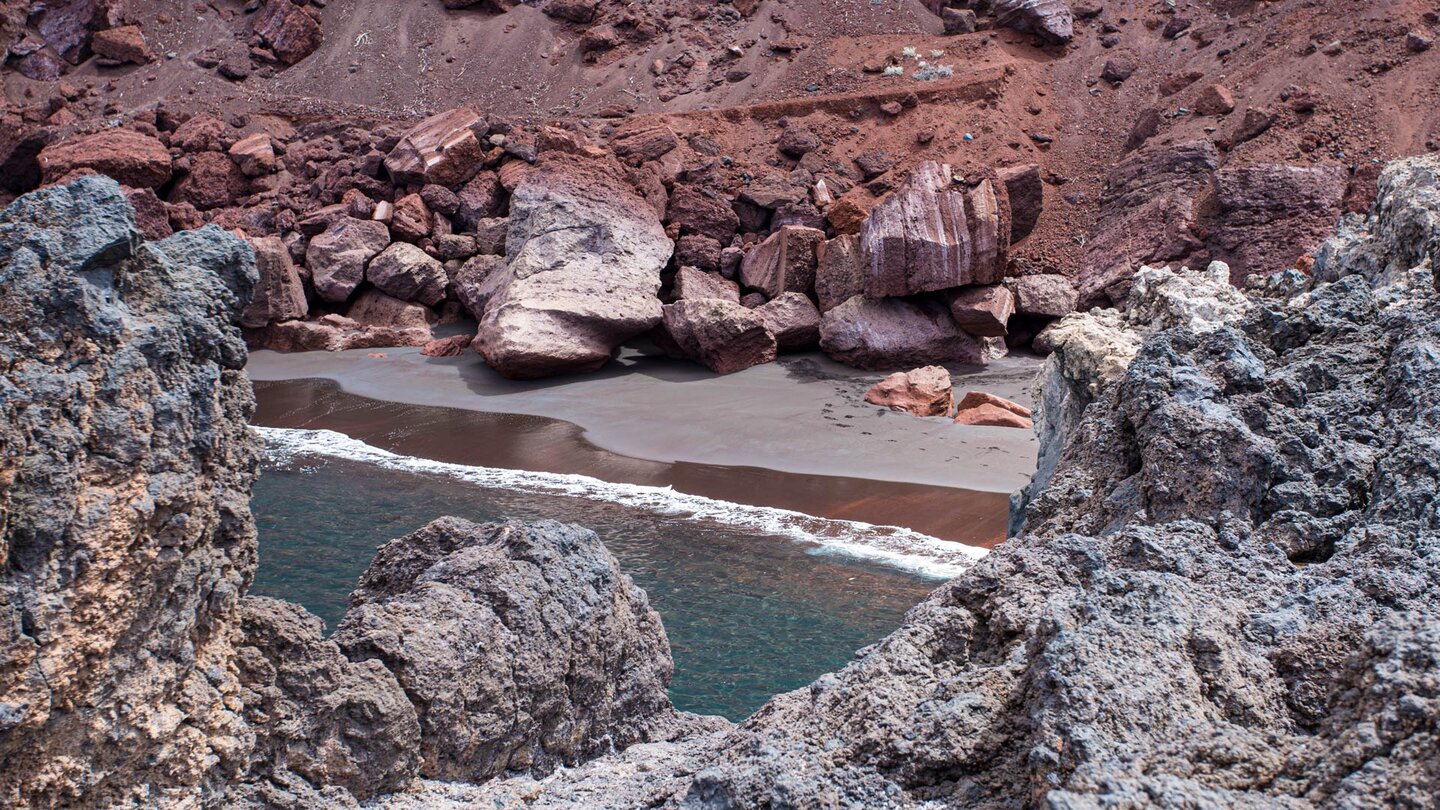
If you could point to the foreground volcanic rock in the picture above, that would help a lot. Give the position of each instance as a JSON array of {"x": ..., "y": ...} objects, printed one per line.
[{"x": 126, "y": 467}]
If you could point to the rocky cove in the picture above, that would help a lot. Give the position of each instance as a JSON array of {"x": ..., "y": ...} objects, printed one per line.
[{"x": 782, "y": 404}]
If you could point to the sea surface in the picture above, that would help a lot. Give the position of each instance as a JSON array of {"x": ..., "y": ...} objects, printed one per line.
[{"x": 756, "y": 600}]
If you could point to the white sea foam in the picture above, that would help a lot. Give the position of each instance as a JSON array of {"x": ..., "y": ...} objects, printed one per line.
[{"x": 890, "y": 545}]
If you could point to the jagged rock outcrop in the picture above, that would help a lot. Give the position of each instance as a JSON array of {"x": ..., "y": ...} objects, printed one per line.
[
  {"x": 1051, "y": 20},
  {"x": 522, "y": 646},
  {"x": 584, "y": 254},
  {"x": 1401, "y": 232},
  {"x": 125, "y": 529}
]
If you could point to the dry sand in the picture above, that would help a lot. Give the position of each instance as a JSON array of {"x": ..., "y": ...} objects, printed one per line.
[{"x": 803, "y": 414}]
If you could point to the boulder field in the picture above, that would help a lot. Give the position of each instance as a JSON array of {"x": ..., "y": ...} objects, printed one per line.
[{"x": 1221, "y": 592}]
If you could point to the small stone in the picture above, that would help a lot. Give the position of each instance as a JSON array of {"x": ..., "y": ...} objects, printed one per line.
[{"x": 923, "y": 392}]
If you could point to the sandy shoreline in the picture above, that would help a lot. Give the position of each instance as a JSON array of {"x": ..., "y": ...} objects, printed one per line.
[{"x": 804, "y": 414}]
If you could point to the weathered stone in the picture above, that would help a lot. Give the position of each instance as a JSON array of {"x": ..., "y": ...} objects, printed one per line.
[
  {"x": 125, "y": 155},
  {"x": 481, "y": 200},
  {"x": 375, "y": 308},
  {"x": 929, "y": 235},
  {"x": 477, "y": 281},
  {"x": 332, "y": 333},
  {"x": 288, "y": 30},
  {"x": 923, "y": 392},
  {"x": 773, "y": 191},
  {"x": 411, "y": 220},
  {"x": 796, "y": 140},
  {"x": 279, "y": 295},
  {"x": 408, "y": 273},
  {"x": 984, "y": 311},
  {"x": 254, "y": 154},
  {"x": 1051, "y": 20},
  {"x": 793, "y": 319},
  {"x": 337, "y": 257},
  {"x": 214, "y": 181},
  {"x": 452, "y": 346},
  {"x": 522, "y": 646},
  {"x": 1215, "y": 100},
  {"x": 584, "y": 259},
  {"x": 697, "y": 212},
  {"x": 986, "y": 415},
  {"x": 691, "y": 284},
  {"x": 443, "y": 149},
  {"x": 1401, "y": 233},
  {"x": 123, "y": 44},
  {"x": 784, "y": 262},
  {"x": 641, "y": 146},
  {"x": 1025, "y": 189},
  {"x": 848, "y": 213},
  {"x": 696, "y": 250},
  {"x": 1270, "y": 216},
  {"x": 958, "y": 20},
  {"x": 839, "y": 273},
  {"x": 721, "y": 335},
  {"x": 973, "y": 399},
  {"x": 1048, "y": 295},
  {"x": 881, "y": 334}
]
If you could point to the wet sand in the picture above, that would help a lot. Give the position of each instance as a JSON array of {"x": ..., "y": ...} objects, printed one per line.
[
  {"x": 543, "y": 444},
  {"x": 804, "y": 414}
]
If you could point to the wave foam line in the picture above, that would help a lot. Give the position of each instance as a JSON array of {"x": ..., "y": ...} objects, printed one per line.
[{"x": 891, "y": 545}]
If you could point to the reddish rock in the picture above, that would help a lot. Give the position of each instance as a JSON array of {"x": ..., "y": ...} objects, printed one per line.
[
  {"x": 452, "y": 346},
  {"x": 784, "y": 262},
  {"x": 214, "y": 181},
  {"x": 1272, "y": 215},
  {"x": 481, "y": 199},
  {"x": 640, "y": 146},
  {"x": 477, "y": 280},
  {"x": 411, "y": 219},
  {"x": 974, "y": 399},
  {"x": 150, "y": 213},
  {"x": 720, "y": 335},
  {"x": 986, "y": 415},
  {"x": 930, "y": 235},
  {"x": 331, "y": 333},
  {"x": 793, "y": 319},
  {"x": 132, "y": 159},
  {"x": 692, "y": 284},
  {"x": 337, "y": 257},
  {"x": 983, "y": 311},
  {"x": 879, "y": 334},
  {"x": 375, "y": 308},
  {"x": 924, "y": 392},
  {"x": 1047, "y": 295},
  {"x": 202, "y": 133},
  {"x": 1026, "y": 191},
  {"x": 288, "y": 30},
  {"x": 577, "y": 11},
  {"x": 1215, "y": 100},
  {"x": 848, "y": 213},
  {"x": 279, "y": 294},
  {"x": 839, "y": 274},
  {"x": 408, "y": 273},
  {"x": 774, "y": 191},
  {"x": 443, "y": 149},
  {"x": 67, "y": 25},
  {"x": 123, "y": 44},
  {"x": 254, "y": 155},
  {"x": 490, "y": 235},
  {"x": 697, "y": 211}
]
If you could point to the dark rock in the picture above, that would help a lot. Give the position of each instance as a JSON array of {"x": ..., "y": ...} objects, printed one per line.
[
  {"x": 1025, "y": 190},
  {"x": 797, "y": 139},
  {"x": 697, "y": 250},
  {"x": 1271, "y": 215},
  {"x": 288, "y": 30}
]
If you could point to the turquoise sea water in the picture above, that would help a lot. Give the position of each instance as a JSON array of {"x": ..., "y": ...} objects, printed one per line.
[{"x": 749, "y": 614}]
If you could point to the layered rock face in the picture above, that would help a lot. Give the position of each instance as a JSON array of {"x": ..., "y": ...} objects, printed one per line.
[
  {"x": 522, "y": 646},
  {"x": 125, "y": 527},
  {"x": 584, "y": 254}
]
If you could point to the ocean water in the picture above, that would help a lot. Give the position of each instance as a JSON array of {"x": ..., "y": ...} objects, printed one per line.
[{"x": 755, "y": 601}]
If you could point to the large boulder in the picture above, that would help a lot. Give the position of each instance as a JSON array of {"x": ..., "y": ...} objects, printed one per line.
[
  {"x": 1150, "y": 212},
  {"x": 214, "y": 181},
  {"x": 881, "y": 334},
  {"x": 840, "y": 271},
  {"x": 337, "y": 258},
  {"x": 691, "y": 283},
  {"x": 476, "y": 282},
  {"x": 127, "y": 156},
  {"x": 699, "y": 211},
  {"x": 1051, "y": 20},
  {"x": 279, "y": 294},
  {"x": 923, "y": 392},
  {"x": 443, "y": 149},
  {"x": 291, "y": 31},
  {"x": 315, "y": 713},
  {"x": 125, "y": 528},
  {"x": 375, "y": 308},
  {"x": 721, "y": 335},
  {"x": 1271, "y": 216},
  {"x": 523, "y": 647},
  {"x": 584, "y": 255},
  {"x": 1401, "y": 232},
  {"x": 1025, "y": 189},
  {"x": 985, "y": 311},
  {"x": 784, "y": 262},
  {"x": 408, "y": 273},
  {"x": 1045, "y": 295},
  {"x": 793, "y": 319},
  {"x": 933, "y": 234}
]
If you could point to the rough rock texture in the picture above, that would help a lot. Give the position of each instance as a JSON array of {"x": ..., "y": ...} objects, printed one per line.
[
  {"x": 691, "y": 283},
  {"x": 1048, "y": 295},
  {"x": 314, "y": 713},
  {"x": 337, "y": 258},
  {"x": 932, "y": 235},
  {"x": 793, "y": 319},
  {"x": 724, "y": 336},
  {"x": 784, "y": 262},
  {"x": 839, "y": 274},
  {"x": 279, "y": 295},
  {"x": 375, "y": 308},
  {"x": 288, "y": 29},
  {"x": 922, "y": 391},
  {"x": 125, "y": 530},
  {"x": 1149, "y": 213},
  {"x": 981, "y": 408},
  {"x": 1025, "y": 189},
  {"x": 1271, "y": 216},
  {"x": 584, "y": 255},
  {"x": 127, "y": 156},
  {"x": 408, "y": 273},
  {"x": 984, "y": 311},
  {"x": 1402, "y": 231},
  {"x": 522, "y": 646},
  {"x": 888, "y": 333},
  {"x": 443, "y": 149}
]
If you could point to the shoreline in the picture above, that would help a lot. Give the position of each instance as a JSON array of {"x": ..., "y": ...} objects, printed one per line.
[
  {"x": 547, "y": 445},
  {"x": 803, "y": 414}
]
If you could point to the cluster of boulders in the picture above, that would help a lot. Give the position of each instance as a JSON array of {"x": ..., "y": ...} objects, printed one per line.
[
  {"x": 1051, "y": 21},
  {"x": 929, "y": 391}
]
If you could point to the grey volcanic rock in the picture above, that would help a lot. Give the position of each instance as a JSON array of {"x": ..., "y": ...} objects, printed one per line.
[
  {"x": 584, "y": 255},
  {"x": 1052, "y": 20},
  {"x": 316, "y": 714},
  {"x": 889, "y": 333},
  {"x": 1401, "y": 232},
  {"x": 930, "y": 235},
  {"x": 724, "y": 336},
  {"x": 125, "y": 530},
  {"x": 522, "y": 646},
  {"x": 337, "y": 257}
]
